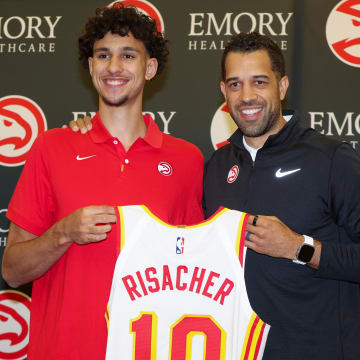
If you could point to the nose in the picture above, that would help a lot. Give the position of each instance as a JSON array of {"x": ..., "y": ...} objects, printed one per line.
[
  {"x": 248, "y": 93},
  {"x": 115, "y": 65}
]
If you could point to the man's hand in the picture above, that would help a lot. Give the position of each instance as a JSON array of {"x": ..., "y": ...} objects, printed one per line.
[
  {"x": 86, "y": 225},
  {"x": 270, "y": 236},
  {"x": 28, "y": 257},
  {"x": 82, "y": 124}
]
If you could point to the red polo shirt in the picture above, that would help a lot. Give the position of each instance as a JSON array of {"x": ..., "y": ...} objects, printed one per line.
[{"x": 66, "y": 171}]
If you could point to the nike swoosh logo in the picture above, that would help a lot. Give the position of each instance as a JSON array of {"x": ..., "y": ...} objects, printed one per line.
[
  {"x": 84, "y": 158},
  {"x": 280, "y": 174}
]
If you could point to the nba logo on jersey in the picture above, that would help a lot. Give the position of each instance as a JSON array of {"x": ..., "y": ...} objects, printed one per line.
[{"x": 180, "y": 245}]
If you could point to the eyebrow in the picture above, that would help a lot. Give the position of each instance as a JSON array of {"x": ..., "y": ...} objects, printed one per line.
[
  {"x": 235, "y": 78},
  {"x": 123, "y": 48}
]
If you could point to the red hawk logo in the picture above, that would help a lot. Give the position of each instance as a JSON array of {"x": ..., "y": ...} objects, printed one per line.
[
  {"x": 222, "y": 126},
  {"x": 164, "y": 168},
  {"x": 21, "y": 121},
  {"x": 233, "y": 174},
  {"x": 14, "y": 324},
  {"x": 343, "y": 31},
  {"x": 146, "y": 8}
]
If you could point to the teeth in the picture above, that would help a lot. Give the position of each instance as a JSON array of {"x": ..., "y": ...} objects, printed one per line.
[
  {"x": 115, "y": 82},
  {"x": 250, "y": 111}
]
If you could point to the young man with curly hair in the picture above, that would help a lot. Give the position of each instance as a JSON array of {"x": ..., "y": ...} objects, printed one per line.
[{"x": 61, "y": 213}]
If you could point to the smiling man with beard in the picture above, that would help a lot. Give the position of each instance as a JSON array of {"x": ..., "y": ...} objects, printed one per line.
[
  {"x": 61, "y": 234},
  {"x": 305, "y": 286}
]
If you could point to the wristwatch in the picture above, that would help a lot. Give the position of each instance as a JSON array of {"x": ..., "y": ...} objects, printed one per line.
[{"x": 305, "y": 251}]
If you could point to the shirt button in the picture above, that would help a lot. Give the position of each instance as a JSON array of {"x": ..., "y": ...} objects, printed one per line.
[
  {"x": 127, "y": 161},
  {"x": 116, "y": 142}
]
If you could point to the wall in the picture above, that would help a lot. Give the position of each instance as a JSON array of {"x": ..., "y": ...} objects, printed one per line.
[{"x": 43, "y": 84}]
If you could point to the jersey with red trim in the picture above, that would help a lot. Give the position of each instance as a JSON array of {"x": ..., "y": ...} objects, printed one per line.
[{"x": 179, "y": 292}]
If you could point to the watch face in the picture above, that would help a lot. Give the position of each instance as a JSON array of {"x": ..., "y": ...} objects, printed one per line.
[{"x": 306, "y": 253}]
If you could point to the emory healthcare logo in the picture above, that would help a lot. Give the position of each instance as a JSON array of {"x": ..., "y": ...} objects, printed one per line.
[
  {"x": 146, "y": 8},
  {"x": 222, "y": 127},
  {"x": 343, "y": 31},
  {"x": 14, "y": 324},
  {"x": 28, "y": 34},
  {"x": 21, "y": 121}
]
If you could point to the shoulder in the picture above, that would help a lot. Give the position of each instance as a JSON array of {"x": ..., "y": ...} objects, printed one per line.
[
  {"x": 181, "y": 146},
  {"x": 56, "y": 143},
  {"x": 222, "y": 153},
  {"x": 52, "y": 135},
  {"x": 64, "y": 138},
  {"x": 60, "y": 134},
  {"x": 323, "y": 145}
]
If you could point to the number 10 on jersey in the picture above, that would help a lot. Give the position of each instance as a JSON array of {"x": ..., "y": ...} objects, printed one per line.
[{"x": 144, "y": 330}]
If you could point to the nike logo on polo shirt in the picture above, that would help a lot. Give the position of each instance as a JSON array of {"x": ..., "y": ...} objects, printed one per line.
[
  {"x": 84, "y": 157},
  {"x": 280, "y": 174}
]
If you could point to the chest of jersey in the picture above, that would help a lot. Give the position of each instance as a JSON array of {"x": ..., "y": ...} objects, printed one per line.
[{"x": 179, "y": 293}]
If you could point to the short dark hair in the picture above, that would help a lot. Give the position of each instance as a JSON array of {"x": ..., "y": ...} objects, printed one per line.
[
  {"x": 253, "y": 41},
  {"x": 122, "y": 20}
]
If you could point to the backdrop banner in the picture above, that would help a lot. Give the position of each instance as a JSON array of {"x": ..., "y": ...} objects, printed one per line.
[{"x": 43, "y": 85}]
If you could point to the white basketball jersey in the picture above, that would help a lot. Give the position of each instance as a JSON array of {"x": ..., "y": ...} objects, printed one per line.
[{"x": 179, "y": 292}]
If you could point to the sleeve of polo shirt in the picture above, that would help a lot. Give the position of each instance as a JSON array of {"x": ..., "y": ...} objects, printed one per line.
[
  {"x": 341, "y": 261},
  {"x": 31, "y": 205}
]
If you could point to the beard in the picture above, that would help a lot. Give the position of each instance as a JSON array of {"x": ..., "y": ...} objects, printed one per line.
[
  {"x": 270, "y": 118},
  {"x": 117, "y": 102}
]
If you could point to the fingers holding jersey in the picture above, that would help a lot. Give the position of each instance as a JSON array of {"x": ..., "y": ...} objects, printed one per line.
[
  {"x": 82, "y": 124},
  {"x": 270, "y": 236},
  {"x": 86, "y": 225}
]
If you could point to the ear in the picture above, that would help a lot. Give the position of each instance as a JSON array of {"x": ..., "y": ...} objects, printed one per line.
[
  {"x": 151, "y": 68},
  {"x": 90, "y": 61},
  {"x": 283, "y": 86},
  {"x": 222, "y": 88}
]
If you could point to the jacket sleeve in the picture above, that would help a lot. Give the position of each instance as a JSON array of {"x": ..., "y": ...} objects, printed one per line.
[{"x": 341, "y": 260}]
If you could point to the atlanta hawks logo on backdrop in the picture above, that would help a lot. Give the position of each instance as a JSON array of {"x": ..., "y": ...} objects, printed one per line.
[
  {"x": 222, "y": 127},
  {"x": 14, "y": 324},
  {"x": 21, "y": 121},
  {"x": 343, "y": 31},
  {"x": 146, "y": 8}
]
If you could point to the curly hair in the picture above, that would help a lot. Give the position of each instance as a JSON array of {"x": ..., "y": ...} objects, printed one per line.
[
  {"x": 249, "y": 42},
  {"x": 121, "y": 20}
]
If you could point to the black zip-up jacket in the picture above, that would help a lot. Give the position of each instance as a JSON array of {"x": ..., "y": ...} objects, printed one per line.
[{"x": 314, "y": 314}]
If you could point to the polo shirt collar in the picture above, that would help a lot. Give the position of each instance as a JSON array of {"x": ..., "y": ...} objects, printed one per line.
[{"x": 153, "y": 136}]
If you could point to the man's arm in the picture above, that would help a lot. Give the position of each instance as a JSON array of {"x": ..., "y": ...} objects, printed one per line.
[
  {"x": 28, "y": 257},
  {"x": 338, "y": 260}
]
